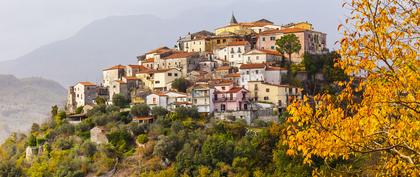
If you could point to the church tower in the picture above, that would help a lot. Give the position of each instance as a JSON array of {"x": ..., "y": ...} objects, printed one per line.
[{"x": 233, "y": 20}]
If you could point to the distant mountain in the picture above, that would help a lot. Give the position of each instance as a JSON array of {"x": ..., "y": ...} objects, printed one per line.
[{"x": 26, "y": 101}]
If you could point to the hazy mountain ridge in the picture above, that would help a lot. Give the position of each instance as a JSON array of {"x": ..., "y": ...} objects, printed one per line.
[{"x": 25, "y": 101}]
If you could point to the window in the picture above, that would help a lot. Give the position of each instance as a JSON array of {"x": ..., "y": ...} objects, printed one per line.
[
  {"x": 273, "y": 48},
  {"x": 231, "y": 50},
  {"x": 256, "y": 71},
  {"x": 157, "y": 82},
  {"x": 223, "y": 88},
  {"x": 258, "y": 57},
  {"x": 176, "y": 74},
  {"x": 263, "y": 39},
  {"x": 224, "y": 40},
  {"x": 267, "y": 90},
  {"x": 266, "y": 98},
  {"x": 239, "y": 50},
  {"x": 231, "y": 96},
  {"x": 247, "y": 72},
  {"x": 231, "y": 56},
  {"x": 273, "y": 38},
  {"x": 169, "y": 74},
  {"x": 218, "y": 41}
]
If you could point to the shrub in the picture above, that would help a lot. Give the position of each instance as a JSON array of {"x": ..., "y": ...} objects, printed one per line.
[
  {"x": 79, "y": 110},
  {"x": 140, "y": 110},
  {"x": 142, "y": 139},
  {"x": 159, "y": 111},
  {"x": 120, "y": 101}
]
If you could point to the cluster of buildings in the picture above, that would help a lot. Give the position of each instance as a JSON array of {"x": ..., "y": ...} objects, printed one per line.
[{"x": 233, "y": 71}]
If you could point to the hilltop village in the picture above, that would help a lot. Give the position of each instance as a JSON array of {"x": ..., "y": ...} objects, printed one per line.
[{"x": 235, "y": 72}]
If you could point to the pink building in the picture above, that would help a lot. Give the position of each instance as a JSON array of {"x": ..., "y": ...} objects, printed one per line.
[
  {"x": 230, "y": 98},
  {"x": 311, "y": 41}
]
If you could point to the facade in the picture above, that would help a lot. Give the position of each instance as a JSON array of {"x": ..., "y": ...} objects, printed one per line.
[
  {"x": 234, "y": 77},
  {"x": 132, "y": 70},
  {"x": 112, "y": 74},
  {"x": 312, "y": 42},
  {"x": 261, "y": 56},
  {"x": 279, "y": 95},
  {"x": 275, "y": 75},
  {"x": 222, "y": 71},
  {"x": 159, "y": 79},
  {"x": 251, "y": 72},
  {"x": 157, "y": 99},
  {"x": 184, "y": 61},
  {"x": 233, "y": 52},
  {"x": 229, "y": 98},
  {"x": 202, "y": 97},
  {"x": 85, "y": 93},
  {"x": 118, "y": 87}
]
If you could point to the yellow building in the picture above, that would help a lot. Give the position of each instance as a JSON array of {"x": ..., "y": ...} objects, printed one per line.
[
  {"x": 244, "y": 28},
  {"x": 301, "y": 25},
  {"x": 280, "y": 95}
]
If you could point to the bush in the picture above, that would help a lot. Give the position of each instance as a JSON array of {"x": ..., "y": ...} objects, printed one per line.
[
  {"x": 142, "y": 139},
  {"x": 159, "y": 111},
  {"x": 140, "y": 110},
  {"x": 88, "y": 149},
  {"x": 180, "y": 84},
  {"x": 79, "y": 110}
]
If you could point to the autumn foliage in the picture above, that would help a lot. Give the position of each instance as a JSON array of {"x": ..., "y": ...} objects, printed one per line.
[{"x": 376, "y": 115}]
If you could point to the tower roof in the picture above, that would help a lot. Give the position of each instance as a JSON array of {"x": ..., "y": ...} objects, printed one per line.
[{"x": 233, "y": 20}]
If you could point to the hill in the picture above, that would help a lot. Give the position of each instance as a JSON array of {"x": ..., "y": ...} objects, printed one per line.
[{"x": 25, "y": 101}]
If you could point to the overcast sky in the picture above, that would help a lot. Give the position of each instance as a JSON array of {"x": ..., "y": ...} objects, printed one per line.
[{"x": 28, "y": 24}]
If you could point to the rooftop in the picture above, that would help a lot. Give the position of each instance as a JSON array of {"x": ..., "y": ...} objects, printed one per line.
[
  {"x": 115, "y": 67},
  {"x": 252, "y": 66},
  {"x": 87, "y": 83}
]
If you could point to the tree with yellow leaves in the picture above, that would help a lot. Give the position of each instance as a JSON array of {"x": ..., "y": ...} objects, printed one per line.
[{"x": 376, "y": 114}]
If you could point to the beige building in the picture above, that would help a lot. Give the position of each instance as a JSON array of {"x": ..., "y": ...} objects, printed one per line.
[
  {"x": 261, "y": 56},
  {"x": 184, "y": 61},
  {"x": 118, "y": 87},
  {"x": 113, "y": 73},
  {"x": 279, "y": 95},
  {"x": 85, "y": 93},
  {"x": 159, "y": 79}
]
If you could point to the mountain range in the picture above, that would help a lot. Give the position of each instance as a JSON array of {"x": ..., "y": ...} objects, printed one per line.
[{"x": 26, "y": 101}]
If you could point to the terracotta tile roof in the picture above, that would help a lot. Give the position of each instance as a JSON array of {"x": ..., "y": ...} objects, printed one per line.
[
  {"x": 252, "y": 66},
  {"x": 115, "y": 67},
  {"x": 120, "y": 81},
  {"x": 149, "y": 60},
  {"x": 238, "y": 43},
  {"x": 87, "y": 83},
  {"x": 223, "y": 82},
  {"x": 180, "y": 55},
  {"x": 140, "y": 67},
  {"x": 277, "y": 85},
  {"x": 155, "y": 71},
  {"x": 159, "y": 50},
  {"x": 293, "y": 30},
  {"x": 233, "y": 90},
  {"x": 233, "y": 75},
  {"x": 131, "y": 78},
  {"x": 223, "y": 68},
  {"x": 270, "y": 52},
  {"x": 269, "y": 32}
]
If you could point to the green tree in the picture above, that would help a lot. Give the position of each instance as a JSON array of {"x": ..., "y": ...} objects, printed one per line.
[
  {"x": 288, "y": 44},
  {"x": 100, "y": 101},
  {"x": 79, "y": 110},
  {"x": 32, "y": 140},
  {"x": 159, "y": 111},
  {"x": 54, "y": 110},
  {"x": 167, "y": 147},
  {"x": 88, "y": 149},
  {"x": 142, "y": 139},
  {"x": 181, "y": 84},
  {"x": 217, "y": 148},
  {"x": 140, "y": 110},
  {"x": 120, "y": 101}
]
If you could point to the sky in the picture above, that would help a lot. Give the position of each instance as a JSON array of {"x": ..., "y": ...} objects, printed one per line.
[{"x": 27, "y": 24}]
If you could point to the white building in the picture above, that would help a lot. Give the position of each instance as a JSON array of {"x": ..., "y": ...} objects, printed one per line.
[
  {"x": 202, "y": 97},
  {"x": 85, "y": 93},
  {"x": 233, "y": 52},
  {"x": 251, "y": 72},
  {"x": 157, "y": 99},
  {"x": 261, "y": 56}
]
